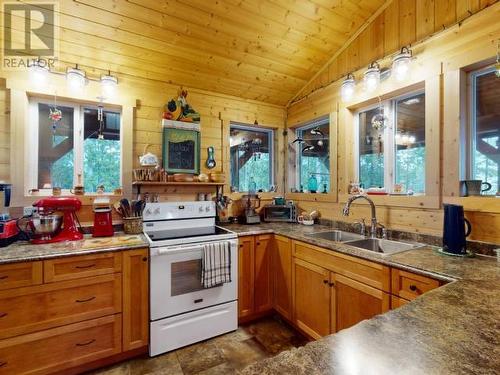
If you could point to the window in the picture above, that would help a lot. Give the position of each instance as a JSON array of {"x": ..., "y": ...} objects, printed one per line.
[
  {"x": 393, "y": 153},
  {"x": 313, "y": 156},
  {"x": 484, "y": 130},
  {"x": 77, "y": 149},
  {"x": 252, "y": 160}
]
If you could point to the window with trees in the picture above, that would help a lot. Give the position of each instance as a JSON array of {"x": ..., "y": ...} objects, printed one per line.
[
  {"x": 313, "y": 156},
  {"x": 82, "y": 147},
  {"x": 252, "y": 158},
  {"x": 391, "y": 144},
  {"x": 484, "y": 130}
]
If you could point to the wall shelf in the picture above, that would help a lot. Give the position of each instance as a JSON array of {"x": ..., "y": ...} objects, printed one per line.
[{"x": 175, "y": 183}]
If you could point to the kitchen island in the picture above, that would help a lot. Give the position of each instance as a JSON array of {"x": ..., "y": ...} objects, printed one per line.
[{"x": 454, "y": 329}]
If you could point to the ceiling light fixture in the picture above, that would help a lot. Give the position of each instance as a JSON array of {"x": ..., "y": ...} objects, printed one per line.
[
  {"x": 401, "y": 63},
  {"x": 39, "y": 71},
  {"x": 372, "y": 77},
  {"x": 76, "y": 78},
  {"x": 347, "y": 88},
  {"x": 108, "y": 84}
]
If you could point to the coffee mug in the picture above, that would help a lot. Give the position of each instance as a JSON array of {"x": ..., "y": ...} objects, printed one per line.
[
  {"x": 474, "y": 187},
  {"x": 78, "y": 190},
  {"x": 56, "y": 191}
]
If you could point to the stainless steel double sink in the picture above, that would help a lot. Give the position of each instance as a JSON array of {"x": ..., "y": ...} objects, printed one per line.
[{"x": 376, "y": 245}]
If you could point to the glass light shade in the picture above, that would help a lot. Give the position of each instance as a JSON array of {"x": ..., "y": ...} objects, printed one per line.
[
  {"x": 39, "y": 73},
  {"x": 75, "y": 78},
  {"x": 347, "y": 88},
  {"x": 401, "y": 64},
  {"x": 497, "y": 67},
  {"x": 372, "y": 78},
  {"x": 108, "y": 85}
]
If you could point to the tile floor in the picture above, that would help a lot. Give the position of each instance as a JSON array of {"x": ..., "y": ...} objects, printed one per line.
[{"x": 221, "y": 355}]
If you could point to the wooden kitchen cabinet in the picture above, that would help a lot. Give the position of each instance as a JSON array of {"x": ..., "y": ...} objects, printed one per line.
[
  {"x": 135, "y": 299},
  {"x": 282, "y": 276},
  {"x": 409, "y": 286},
  {"x": 311, "y": 298},
  {"x": 17, "y": 275},
  {"x": 263, "y": 283},
  {"x": 246, "y": 263},
  {"x": 353, "y": 302}
]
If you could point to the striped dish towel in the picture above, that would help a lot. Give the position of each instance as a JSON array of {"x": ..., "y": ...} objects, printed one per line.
[{"x": 216, "y": 264}]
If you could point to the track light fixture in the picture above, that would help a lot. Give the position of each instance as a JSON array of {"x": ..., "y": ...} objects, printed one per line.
[
  {"x": 347, "y": 88},
  {"x": 372, "y": 77},
  {"x": 401, "y": 63}
]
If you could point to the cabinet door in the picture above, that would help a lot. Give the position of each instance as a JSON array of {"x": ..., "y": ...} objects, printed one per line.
[
  {"x": 246, "y": 264},
  {"x": 135, "y": 299},
  {"x": 311, "y": 296},
  {"x": 353, "y": 302},
  {"x": 282, "y": 274},
  {"x": 263, "y": 283}
]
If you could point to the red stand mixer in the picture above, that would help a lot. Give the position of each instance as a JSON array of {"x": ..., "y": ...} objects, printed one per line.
[{"x": 48, "y": 226}]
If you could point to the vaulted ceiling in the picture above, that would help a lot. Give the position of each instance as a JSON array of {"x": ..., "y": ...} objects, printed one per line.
[{"x": 257, "y": 49}]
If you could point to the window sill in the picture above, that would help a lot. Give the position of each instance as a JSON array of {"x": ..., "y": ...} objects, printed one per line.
[
  {"x": 312, "y": 197},
  {"x": 407, "y": 201},
  {"x": 86, "y": 199}
]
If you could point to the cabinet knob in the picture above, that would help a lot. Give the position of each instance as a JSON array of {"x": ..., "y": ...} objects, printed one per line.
[
  {"x": 241, "y": 245},
  {"x": 145, "y": 259},
  {"x": 331, "y": 284},
  {"x": 413, "y": 287},
  {"x": 258, "y": 243},
  {"x": 325, "y": 281}
]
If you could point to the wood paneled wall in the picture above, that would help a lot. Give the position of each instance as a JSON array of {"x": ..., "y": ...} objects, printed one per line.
[
  {"x": 4, "y": 133},
  {"x": 402, "y": 23},
  {"x": 444, "y": 58}
]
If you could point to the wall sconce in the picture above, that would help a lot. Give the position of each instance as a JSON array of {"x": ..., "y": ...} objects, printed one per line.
[
  {"x": 39, "y": 72},
  {"x": 347, "y": 88},
  {"x": 401, "y": 63},
  {"x": 372, "y": 77},
  {"x": 108, "y": 85},
  {"x": 76, "y": 78}
]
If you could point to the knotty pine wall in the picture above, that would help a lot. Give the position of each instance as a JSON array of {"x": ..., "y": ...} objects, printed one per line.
[
  {"x": 217, "y": 111},
  {"x": 440, "y": 60}
]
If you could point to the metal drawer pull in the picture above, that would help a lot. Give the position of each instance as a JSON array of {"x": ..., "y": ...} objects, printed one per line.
[
  {"x": 85, "y": 343},
  {"x": 4, "y": 277},
  {"x": 89, "y": 266},
  {"x": 3, "y": 364},
  {"x": 3, "y": 315},
  {"x": 85, "y": 300}
]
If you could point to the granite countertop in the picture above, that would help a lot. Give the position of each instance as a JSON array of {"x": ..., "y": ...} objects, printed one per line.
[
  {"x": 454, "y": 329},
  {"x": 24, "y": 251}
]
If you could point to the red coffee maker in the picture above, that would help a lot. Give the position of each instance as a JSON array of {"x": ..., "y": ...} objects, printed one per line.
[{"x": 103, "y": 221}]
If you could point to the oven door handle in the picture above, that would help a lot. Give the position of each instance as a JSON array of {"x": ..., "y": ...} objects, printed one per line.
[{"x": 178, "y": 249}]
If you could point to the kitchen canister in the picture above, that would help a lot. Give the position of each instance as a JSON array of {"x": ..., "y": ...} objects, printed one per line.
[{"x": 132, "y": 225}]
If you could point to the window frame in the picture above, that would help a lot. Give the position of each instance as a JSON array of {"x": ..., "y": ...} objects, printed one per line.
[
  {"x": 389, "y": 135},
  {"x": 32, "y": 138},
  {"x": 471, "y": 124},
  {"x": 271, "y": 134},
  {"x": 323, "y": 120}
]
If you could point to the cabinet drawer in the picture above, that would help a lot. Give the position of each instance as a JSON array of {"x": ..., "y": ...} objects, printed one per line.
[
  {"x": 30, "y": 309},
  {"x": 398, "y": 302},
  {"x": 409, "y": 285},
  {"x": 17, "y": 275},
  {"x": 370, "y": 273},
  {"x": 61, "y": 348},
  {"x": 81, "y": 266}
]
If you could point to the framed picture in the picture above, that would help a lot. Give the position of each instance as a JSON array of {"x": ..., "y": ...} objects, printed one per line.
[{"x": 181, "y": 150}]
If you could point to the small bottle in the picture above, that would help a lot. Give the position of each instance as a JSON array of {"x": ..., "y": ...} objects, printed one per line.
[
  {"x": 312, "y": 184},
  {"x": 253, "y": 186}
]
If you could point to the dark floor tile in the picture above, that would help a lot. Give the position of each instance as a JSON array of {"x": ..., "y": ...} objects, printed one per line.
[
  {"x": 239, "y": 354},
  {"x": 163, "y": 364},
  {"x": 198, "y": 357}
]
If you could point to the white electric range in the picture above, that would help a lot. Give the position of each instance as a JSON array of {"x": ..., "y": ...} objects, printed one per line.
[{"x": 182, "y": 312}]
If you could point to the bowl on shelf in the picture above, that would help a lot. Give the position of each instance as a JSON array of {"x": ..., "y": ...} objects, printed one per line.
[
  {"x": 217, "y": 177},
  {"x": 183, "y": 177}
]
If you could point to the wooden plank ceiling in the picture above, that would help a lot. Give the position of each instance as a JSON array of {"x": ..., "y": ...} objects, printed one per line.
[{"x": 264, "y": 50}]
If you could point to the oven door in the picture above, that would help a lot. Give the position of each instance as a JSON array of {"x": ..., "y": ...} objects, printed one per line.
[{"x": 175, "y": 281}]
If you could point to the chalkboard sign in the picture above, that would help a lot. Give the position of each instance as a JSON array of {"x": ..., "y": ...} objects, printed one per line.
[{"x": 181, "y": 151}]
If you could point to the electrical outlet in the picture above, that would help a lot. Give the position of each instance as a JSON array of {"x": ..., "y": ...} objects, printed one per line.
[{"x": 28, "y": 211}]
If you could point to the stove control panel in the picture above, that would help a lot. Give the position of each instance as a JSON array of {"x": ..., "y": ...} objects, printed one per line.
[{"x": 178, "y": 210}]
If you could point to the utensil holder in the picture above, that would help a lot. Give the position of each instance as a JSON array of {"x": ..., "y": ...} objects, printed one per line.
[{"x": 132, "y": 225}]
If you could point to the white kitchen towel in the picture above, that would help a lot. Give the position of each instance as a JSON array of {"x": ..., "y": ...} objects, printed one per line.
[{"x": 216, "y": 264}]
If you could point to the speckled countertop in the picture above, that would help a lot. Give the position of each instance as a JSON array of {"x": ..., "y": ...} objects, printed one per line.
[
  {"x": 24, "y": 251},
  {"x": 454, "y": 329}
]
